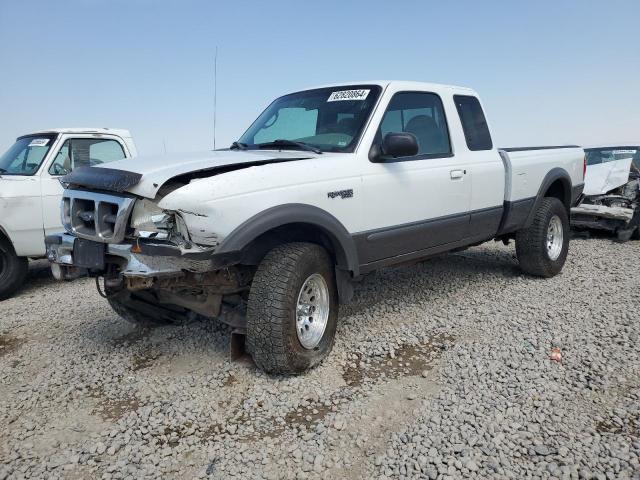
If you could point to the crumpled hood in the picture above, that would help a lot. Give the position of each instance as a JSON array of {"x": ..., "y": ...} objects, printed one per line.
[
  {"x": 145, "y": 175},
  {"x": 601, "y": 178}
]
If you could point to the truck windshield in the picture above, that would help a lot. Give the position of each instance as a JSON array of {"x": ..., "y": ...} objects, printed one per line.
[
  {"x": 325, "y": 119},
  {"x": 25, "y": 156}
]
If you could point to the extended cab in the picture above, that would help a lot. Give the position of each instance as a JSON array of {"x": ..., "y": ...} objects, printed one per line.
[
  {"x": 30, "y": 190},
  {"x": 326, "y": 185}
]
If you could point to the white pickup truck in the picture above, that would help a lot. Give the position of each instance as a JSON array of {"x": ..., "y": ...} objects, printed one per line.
[
  {"x": 30, "y": 190},
  {"x": 326, "y": 185}
]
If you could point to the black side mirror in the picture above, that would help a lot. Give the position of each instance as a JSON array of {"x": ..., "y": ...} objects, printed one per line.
[{"x": 401, "y": 144}]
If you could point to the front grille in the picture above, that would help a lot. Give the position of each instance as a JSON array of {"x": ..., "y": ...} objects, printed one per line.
[{"x": 96, "y": 216}]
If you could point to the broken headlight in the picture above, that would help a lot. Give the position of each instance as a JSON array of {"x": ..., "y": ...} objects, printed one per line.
[{"x": 149, "y": 220}]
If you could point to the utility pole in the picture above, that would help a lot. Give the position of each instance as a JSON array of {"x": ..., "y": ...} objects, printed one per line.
[{"x": 215, "y": 94}]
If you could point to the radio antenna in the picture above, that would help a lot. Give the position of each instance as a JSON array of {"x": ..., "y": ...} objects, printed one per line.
[{"x": 215, "y": 94}]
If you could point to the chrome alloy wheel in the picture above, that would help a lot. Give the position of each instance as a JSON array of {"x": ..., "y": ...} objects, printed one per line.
[
  {"x": 312, "y": 311},
  {"x": 555, "y": 237}
]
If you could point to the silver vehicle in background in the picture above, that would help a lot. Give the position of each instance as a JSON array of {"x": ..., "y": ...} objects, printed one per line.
[{"x": 611, "y": 199}]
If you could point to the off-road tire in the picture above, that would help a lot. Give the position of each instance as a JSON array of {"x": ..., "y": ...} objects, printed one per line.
[
  {"x": 531, "y": 242},
  {"x": 13, "y": 269},
  {"x": 272, "y": 339},
  {"x": 123, "y": 303}
]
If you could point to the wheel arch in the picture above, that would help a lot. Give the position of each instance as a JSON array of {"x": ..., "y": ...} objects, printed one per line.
[
  {"x": 289, "y": 223},
  {"x": 555, "y": 184}
]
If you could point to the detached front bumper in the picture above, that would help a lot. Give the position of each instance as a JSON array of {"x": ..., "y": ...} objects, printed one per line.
[
  {"x": 153, "y": 260},
  {"x": 601, "y": 217}
]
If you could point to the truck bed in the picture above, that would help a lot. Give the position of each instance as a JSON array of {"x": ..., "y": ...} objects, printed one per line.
[{"x": 531, "y": 170}]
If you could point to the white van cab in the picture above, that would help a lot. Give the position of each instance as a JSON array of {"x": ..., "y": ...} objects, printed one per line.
[{"x": 30, "y": 190}]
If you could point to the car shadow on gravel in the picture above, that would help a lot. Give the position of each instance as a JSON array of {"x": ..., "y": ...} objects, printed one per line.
[
  {"x": 473, "y": 264},
  {"x": 9, "y": 344},
  {"x": 39, "y": 276},
  {"x": 594, "y": 235},
  {"x": 146, "y": 345}
]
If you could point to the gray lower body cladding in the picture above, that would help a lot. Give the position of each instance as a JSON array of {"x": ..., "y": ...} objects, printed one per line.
[{"x": 381, "y": 244}]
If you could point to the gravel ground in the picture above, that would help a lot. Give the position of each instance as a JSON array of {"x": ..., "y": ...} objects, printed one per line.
[{"x": 440, "y": 370}]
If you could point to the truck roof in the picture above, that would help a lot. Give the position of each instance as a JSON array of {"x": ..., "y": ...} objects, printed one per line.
[
  {"x": 113, "y": 131},
  {"x": 402, "y": 84}
]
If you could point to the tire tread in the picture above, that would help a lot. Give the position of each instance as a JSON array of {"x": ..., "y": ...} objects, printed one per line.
[
  {"x": 16, "y": 271},
  {"x": 530, "y": 242},
  {"x": 270, "y": 302}
]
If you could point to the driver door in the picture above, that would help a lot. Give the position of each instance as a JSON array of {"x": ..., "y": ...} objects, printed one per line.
[
  {"x": 76, "y": 151},
  {"x": 420, "y": 202}
]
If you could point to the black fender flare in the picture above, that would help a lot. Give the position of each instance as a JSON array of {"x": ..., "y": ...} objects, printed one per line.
[
  {"x": 552, "y": 175},
  {"x": 271, "y": 218}
]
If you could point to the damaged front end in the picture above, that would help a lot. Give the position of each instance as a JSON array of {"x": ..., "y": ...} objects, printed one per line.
[
  {"x": 612, "y": 202},
  {"x": 146, "y": 258}
]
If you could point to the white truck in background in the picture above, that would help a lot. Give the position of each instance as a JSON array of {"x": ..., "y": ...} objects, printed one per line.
[
  {"x": 326, "y": 185},
  {"x": 30, "y": 190}
]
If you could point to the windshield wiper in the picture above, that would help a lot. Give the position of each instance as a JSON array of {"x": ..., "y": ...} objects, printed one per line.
[
  {"x": 238, "y": 146},
  {"x": 2, "y": 170},
  {"x": 289, "y": 143}
]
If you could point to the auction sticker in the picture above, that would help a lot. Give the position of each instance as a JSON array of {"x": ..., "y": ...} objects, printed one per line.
[
  {"x": 621, "y": 152},
  {"x": 344, "y": 95},
  {"x": 39, "y": 142}
]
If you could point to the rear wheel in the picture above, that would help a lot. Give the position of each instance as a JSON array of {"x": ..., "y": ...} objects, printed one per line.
[
  {"x": 543, "y": 247},
  {"x": 13, "y": 269},
  {"x": 293, "y": 309}
]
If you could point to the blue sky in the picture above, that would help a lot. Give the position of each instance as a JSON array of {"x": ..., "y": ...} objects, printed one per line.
[{"x": 548, "y": 71}]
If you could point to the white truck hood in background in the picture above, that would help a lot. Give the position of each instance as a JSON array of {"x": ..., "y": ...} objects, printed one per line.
[
  {"x": 157, "y": 170},
  {"x": 604, "y": 177}
]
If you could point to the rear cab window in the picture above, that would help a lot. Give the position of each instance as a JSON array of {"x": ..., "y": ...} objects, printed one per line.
[
  {"x": 421, "y": 114},
  {"x": 474, "y": 123}
]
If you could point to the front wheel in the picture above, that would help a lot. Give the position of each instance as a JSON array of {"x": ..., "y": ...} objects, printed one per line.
[
  {"x": 13, "y": 269},
  {"x": 293, "y": 309},
  {"x": 542, "y": 248}
]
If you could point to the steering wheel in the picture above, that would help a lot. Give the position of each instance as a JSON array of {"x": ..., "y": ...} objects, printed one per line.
[{"x": 59, "y": 169}]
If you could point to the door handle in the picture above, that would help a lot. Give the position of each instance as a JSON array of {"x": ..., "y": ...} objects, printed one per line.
[{"x": 455, "y": 174}]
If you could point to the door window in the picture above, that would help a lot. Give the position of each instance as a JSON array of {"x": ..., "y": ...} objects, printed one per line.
[
  {"x": 85, "y": 152},
  {"x": 421, "y": 114}
]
